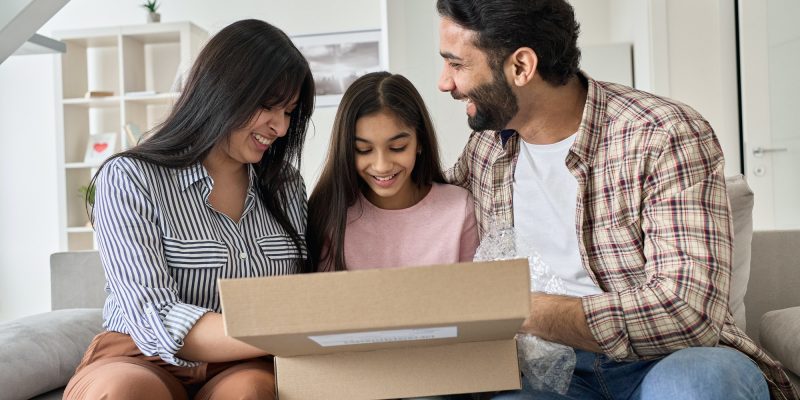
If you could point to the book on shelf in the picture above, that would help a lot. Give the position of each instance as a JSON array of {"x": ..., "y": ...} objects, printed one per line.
[
  {"x": 91, "y": 94},
  {"x": 134, "y": 133}
]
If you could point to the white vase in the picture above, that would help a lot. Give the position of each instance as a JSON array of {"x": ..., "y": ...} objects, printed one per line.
[{"x": 153, "y": 17}]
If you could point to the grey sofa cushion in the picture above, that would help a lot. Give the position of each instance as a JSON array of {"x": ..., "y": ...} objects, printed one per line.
[
  {"x": 77, "y": 269},
  {"x": 774, "y": 276},
  {"x": 780, "y": 336},
  {"x": 40, "y": 352},
  {"x": 741, "y": 201}
]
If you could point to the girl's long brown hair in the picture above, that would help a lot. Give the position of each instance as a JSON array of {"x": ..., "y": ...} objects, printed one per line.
[{"x": 339, "y": 185}]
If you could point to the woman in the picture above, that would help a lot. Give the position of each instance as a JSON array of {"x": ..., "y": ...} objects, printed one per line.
[
  {"x": 211, "y": 194},
  {"x": 381, "y": 201}
]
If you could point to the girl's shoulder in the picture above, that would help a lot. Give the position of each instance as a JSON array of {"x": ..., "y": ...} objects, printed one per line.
[{"x": 447, "y": 193}]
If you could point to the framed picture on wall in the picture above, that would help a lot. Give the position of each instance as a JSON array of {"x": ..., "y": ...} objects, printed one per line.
[
  {"x": 100, "y": 147},
  {"x": 338, "y": 59}
]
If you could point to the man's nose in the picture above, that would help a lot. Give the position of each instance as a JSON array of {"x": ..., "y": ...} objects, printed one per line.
[{"x": 445, "y": 81}]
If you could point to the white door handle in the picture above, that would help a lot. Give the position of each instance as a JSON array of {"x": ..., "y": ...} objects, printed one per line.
[{"x": 760, "y": 151}]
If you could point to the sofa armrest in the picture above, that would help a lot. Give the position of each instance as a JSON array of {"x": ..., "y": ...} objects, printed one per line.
[
  {"x": 780, "y": 336},
  {"x": 40, "y": 352}
]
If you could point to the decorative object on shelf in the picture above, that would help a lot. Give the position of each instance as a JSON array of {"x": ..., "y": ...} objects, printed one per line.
[
  {"x": 91, "y": 94},
  {"x": 134, "y": 134},
  {"x": 152, "y": 8},
  {"x": 100, "y": 147},
  {"x": 87, "y": 197},
  {"x": 87, "y": 194},
  {"x": 338, "y": 59}
]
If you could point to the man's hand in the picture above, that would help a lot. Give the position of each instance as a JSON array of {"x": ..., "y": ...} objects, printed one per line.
[{"x": 560, "y": 319}]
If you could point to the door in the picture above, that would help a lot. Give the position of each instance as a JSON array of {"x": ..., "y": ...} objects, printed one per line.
[{"x": 769, "y": 44}]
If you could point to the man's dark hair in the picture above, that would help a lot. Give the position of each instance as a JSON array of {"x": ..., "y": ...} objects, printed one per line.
[{"x": 503, "y": 26}]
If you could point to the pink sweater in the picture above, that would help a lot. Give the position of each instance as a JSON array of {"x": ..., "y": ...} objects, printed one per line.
[{"x": 440, "y": 229}]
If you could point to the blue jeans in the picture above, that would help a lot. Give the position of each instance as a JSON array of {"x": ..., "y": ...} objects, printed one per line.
[{"x": 708, "y": 373}]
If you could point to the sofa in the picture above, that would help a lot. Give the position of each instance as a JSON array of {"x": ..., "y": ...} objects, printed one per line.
[{"x": 39, "y": 353}]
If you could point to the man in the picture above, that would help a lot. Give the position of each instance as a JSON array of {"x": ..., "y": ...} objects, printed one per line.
[{"x": 621, "y": 191}]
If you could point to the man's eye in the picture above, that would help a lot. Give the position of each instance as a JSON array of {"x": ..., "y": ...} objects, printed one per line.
[{"x": 455, "y": 65}]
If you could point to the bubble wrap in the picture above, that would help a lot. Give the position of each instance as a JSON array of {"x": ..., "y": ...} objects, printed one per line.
[{"x": 545, "y": 365}]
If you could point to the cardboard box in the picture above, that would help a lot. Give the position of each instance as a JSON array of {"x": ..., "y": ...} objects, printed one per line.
[{"x": 387, "y": 333}]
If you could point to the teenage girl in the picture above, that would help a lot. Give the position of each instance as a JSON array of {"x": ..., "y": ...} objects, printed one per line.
[{"x": 381, "y": 201}]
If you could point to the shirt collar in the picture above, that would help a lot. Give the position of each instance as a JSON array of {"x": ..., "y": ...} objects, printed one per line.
[
  {"x": 592, "y": 124},
  {"x": 190, "y": 175},
  {"x": 506, "y": 134},
  {"x": 592, "y": 121}
]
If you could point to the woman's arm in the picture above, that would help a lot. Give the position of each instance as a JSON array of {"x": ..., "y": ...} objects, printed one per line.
[{"x": 206, "y": 341}]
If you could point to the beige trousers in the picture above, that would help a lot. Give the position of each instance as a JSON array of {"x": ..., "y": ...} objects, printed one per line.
[{"x": 114, "y": 368}]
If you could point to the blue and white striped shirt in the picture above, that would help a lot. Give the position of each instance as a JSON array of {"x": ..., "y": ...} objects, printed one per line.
[{"x": 163, "y": 248}]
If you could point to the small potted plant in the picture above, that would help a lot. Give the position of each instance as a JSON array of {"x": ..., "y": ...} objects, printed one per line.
[
  {"x": 152, "y": 8},
  {"x": 87, "y": 194}
]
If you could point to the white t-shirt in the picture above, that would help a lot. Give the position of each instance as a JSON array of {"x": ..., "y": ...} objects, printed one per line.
[{"x": 545, "y": 194}]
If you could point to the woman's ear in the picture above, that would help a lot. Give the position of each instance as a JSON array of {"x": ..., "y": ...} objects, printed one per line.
[{"x": 522, "y": 65}]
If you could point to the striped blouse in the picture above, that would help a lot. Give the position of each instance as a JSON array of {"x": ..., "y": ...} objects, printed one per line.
[{"x": 163, "y": 248}]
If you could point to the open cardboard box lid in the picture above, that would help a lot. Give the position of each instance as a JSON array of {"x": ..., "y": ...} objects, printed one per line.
[{"x": 322, "y": 313}]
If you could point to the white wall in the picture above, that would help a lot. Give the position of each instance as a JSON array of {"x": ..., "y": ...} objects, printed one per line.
[
  {"x": 702, "y": 67},
  {"x": 689, "y": 56},
  {"x": 28, "y": 207}
]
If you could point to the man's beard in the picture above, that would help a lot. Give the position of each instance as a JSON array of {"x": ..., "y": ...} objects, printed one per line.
[{"x": 495, "y": 104}]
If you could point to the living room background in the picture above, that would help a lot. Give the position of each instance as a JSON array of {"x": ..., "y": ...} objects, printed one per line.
[{"x": 682, "y": 48}]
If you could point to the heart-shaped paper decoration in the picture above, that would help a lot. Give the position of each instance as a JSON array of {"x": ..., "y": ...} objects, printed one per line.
[{"x": 99, "y": 147}]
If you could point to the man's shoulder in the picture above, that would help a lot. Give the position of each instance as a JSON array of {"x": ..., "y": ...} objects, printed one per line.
[
  {"x": 482, "y": 144},
  {"x": 633, "y": 106}
]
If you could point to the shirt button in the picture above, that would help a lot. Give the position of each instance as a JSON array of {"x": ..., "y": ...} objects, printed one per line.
[{"x": 242, "y": 255}]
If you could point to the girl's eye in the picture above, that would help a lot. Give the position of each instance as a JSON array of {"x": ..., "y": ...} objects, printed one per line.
[
  {"x": 398, "y": 149},
  {"x": 362, "y": 151}
]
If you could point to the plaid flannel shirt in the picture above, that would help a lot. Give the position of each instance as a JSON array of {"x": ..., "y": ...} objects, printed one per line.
[{"x": 653, "y": 223}]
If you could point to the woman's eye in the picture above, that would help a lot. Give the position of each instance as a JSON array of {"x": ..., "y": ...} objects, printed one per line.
[
  {"x": 398, "y": 149},
  {"x": 363, "y": 151}
]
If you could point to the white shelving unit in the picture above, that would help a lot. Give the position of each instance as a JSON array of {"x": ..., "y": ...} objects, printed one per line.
[{"x": 139, "y": 64}]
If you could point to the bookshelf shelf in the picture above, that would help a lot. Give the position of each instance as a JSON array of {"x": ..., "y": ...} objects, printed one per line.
[{"x": 138, "y": 66}]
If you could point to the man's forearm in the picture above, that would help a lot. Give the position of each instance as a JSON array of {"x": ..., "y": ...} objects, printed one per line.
[{"x": 560, "y": 319}]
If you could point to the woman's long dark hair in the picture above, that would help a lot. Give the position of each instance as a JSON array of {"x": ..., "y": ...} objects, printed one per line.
[
  {"x": 248, "y": 65},
  {"x": 339, "y": 185}
]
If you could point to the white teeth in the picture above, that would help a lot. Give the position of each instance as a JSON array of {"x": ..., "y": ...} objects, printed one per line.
[
  {"x": 384, "y": 178},
  {"x": 262, "y": 139}
]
